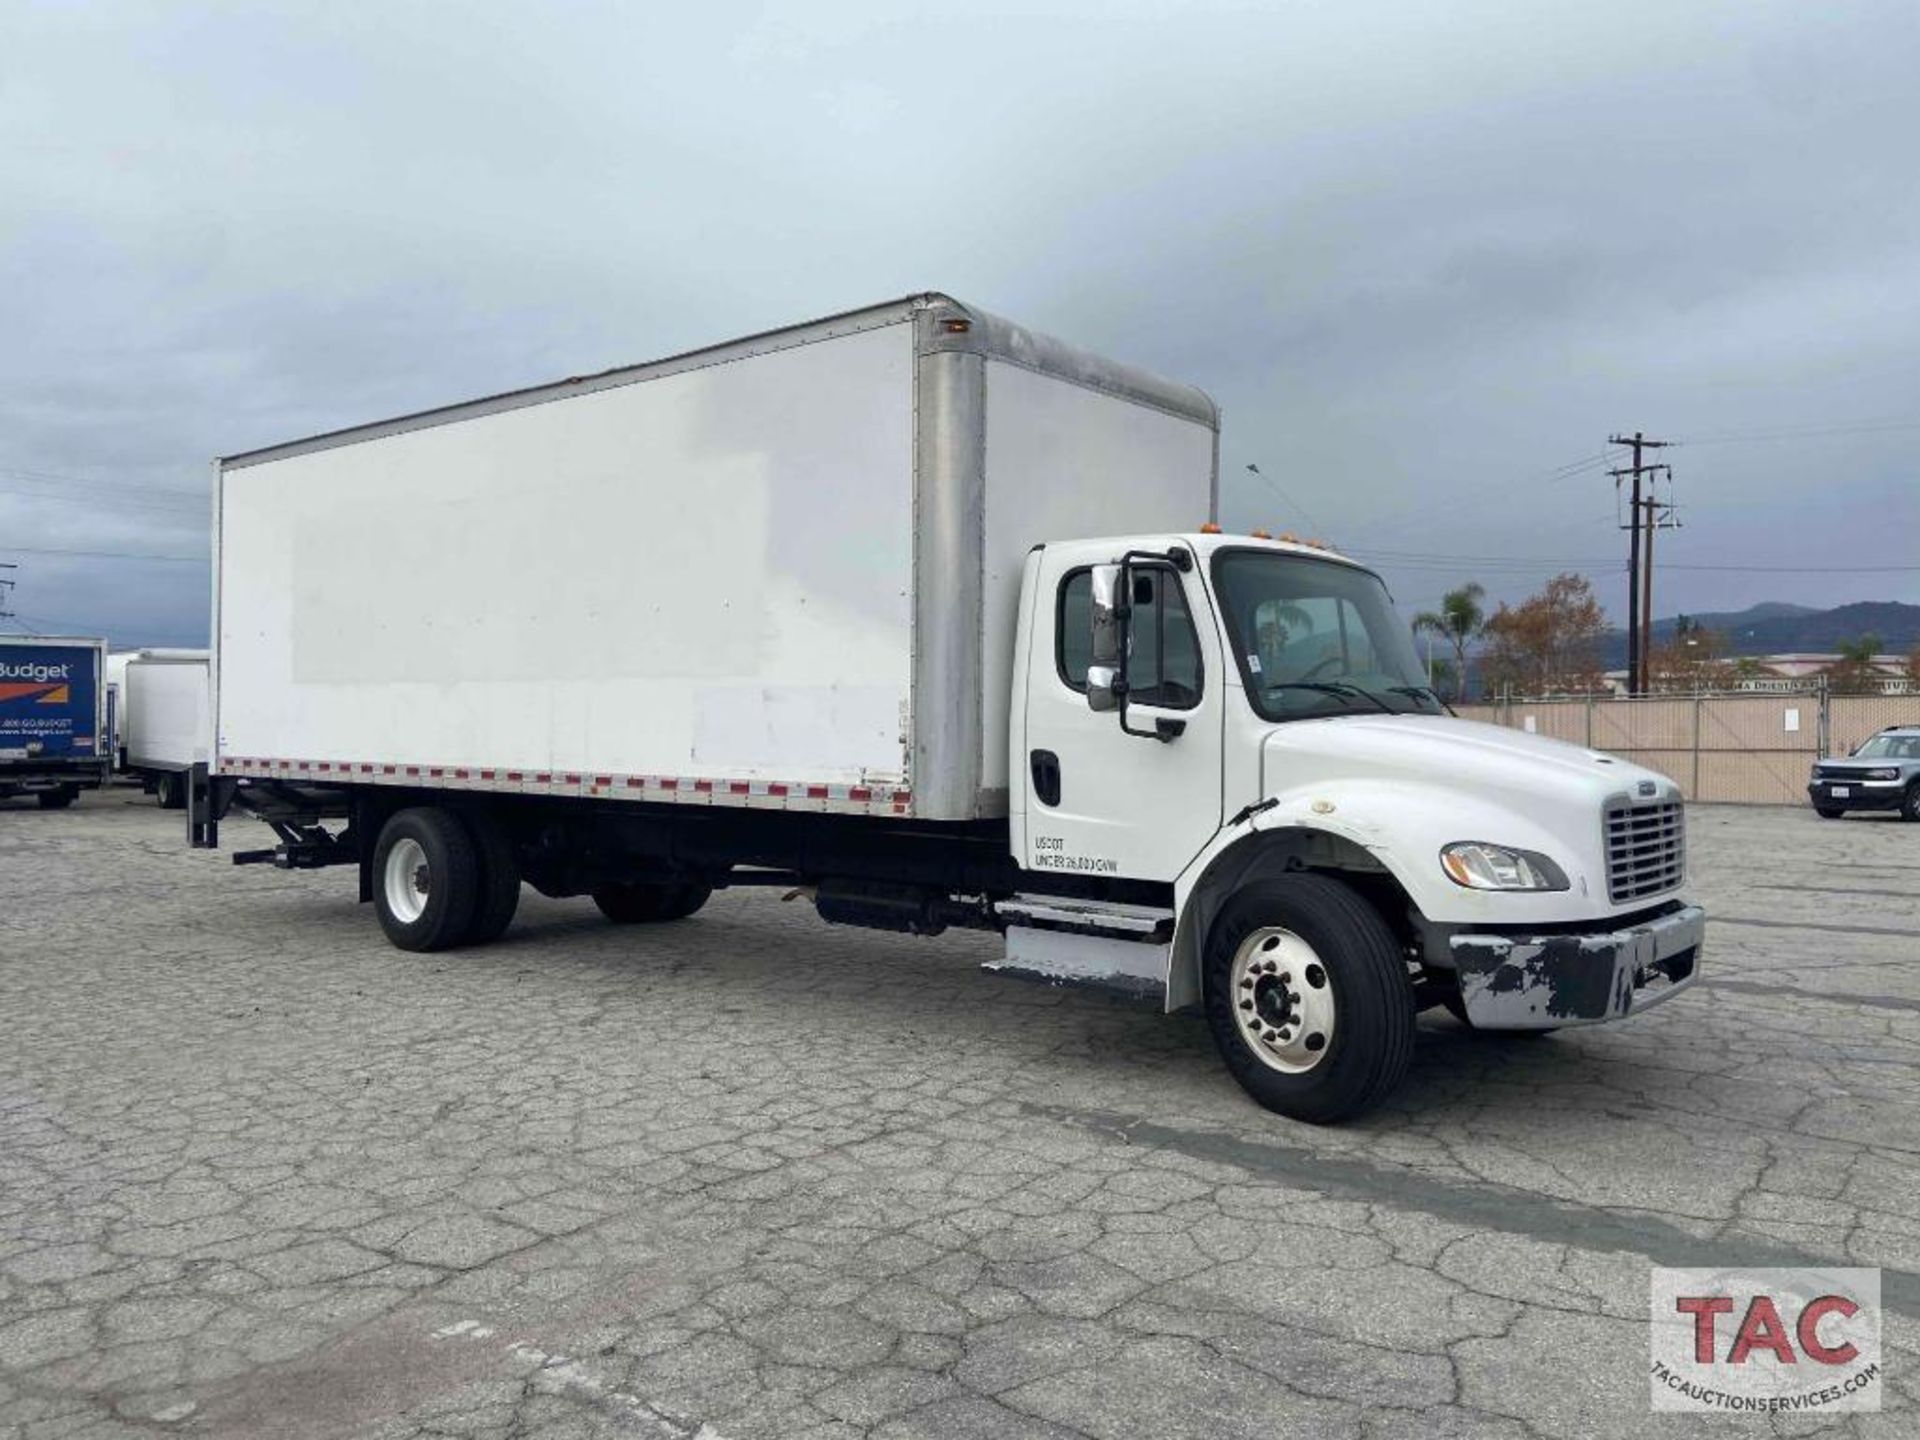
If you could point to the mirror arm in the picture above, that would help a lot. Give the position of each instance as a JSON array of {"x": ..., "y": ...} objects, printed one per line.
[{"x": 1165, "y": 730}]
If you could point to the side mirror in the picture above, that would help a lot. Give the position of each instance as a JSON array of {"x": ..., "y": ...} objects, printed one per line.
[
  {"x": 1109, "y": 618},
  {"x": 1103, "y": 688}
]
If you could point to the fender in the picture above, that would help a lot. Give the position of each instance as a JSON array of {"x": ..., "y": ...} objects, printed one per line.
[{"x": 1374, "y": 827}]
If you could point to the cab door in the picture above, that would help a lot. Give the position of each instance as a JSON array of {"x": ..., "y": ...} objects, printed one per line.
[{"x": 1101, "y": 801}]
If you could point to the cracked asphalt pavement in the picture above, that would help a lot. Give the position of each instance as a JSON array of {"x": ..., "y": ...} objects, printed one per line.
[{"x": 753, "y": 1176}]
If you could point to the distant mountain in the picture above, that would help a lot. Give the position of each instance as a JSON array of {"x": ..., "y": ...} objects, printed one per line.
[{"x": 1777, "y": 629}]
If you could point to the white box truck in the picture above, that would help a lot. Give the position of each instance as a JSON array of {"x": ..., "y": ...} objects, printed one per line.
[
  {"x": 922, "y": 615},
  {"x": 164, "y": 729}
]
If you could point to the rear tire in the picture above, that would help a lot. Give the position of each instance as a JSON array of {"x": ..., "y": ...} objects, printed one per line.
[
  {"x": 644, "y": 904},
  {"x": 170, "y": 787},
  {"x": 1299, "y": 957},
  {"x": 499, "y": 885},
  {"x": 1827, "y": 812},
  {"x": 57, "y": 799},
  {"x": 426, "y": 879}
]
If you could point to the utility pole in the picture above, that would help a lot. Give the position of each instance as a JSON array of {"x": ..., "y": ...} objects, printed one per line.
[{"x": 1639, "y": 578}]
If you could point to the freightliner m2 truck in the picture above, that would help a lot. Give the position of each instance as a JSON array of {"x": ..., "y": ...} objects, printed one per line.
[
  {"x": 53, "y": 723},
  {"x": 922, "y": 615}
]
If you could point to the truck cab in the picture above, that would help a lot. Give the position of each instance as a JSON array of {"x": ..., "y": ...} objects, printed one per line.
[{"x": 1243, "y": 720}]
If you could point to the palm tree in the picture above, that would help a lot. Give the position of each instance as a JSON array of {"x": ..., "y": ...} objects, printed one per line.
[
  {"x": 1458, "y": 621},
  {"x": 1275, "y": 623},
  {"x": 1853, "y": 672}
]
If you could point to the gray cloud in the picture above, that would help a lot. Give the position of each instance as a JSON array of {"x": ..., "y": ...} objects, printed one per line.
[{"x": 1423, "y": 255}]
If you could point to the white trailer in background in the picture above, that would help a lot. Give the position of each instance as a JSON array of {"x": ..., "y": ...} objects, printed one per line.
[
  {"x": 826, "y": 609},
  {"x": 164, "y": 722}
]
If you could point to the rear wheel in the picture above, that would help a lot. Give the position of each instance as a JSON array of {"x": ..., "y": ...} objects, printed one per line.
[
  {"x": 58, "y": 799},
  {"x": 1308, "y": 999},
  {"x": 1828, "y": 812},
  {"x": 426, "y": 879},
  {"x": 170, "y": 787},
  {"x": 642, "y": 904},
  {"x": 499, "y": 884}
]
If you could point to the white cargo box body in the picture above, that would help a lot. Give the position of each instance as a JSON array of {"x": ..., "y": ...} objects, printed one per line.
[
  {"x": 164, "y": 699},
  {"x": 781, "y": 571}
]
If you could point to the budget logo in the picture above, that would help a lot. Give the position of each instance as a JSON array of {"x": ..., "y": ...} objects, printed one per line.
[
  {"x": 35, "y": 694},
  {"x": 1765, "y": 1341}
]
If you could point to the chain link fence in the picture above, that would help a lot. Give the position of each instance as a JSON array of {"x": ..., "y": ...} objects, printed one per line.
[{"x": 1742, "y": 749}]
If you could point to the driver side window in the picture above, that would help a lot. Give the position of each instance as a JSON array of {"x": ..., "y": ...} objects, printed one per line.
[{"x": 1163, "y": 659}]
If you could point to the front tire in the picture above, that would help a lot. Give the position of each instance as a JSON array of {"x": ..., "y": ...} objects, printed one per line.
[
  {"x": 426, "y": 879},
  {"x": 58, "y": 799},
  {"x": 1910, "y": 806},
  {"x": 644, "y": 904},
  {"x": 1308, "y": 999}
]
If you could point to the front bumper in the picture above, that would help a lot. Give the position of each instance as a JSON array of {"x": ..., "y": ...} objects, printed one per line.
[
  {"x": 1542, "y": 982},
  {"x": 1861, "y": 794}
]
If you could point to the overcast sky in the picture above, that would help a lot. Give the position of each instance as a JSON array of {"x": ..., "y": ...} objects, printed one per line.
[{"x": 1427, "y": 256}]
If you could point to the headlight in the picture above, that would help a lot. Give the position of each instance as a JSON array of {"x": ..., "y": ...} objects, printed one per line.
[
  {"x": 1480, "y": 866},
  {"x": 1889, "y": 773}
]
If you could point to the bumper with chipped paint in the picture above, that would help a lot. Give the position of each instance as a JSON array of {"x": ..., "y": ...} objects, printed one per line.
[{"x": 1542, "y": 982}]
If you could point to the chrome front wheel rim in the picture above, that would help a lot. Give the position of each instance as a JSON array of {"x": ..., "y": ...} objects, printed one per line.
[
  {"x": 407, "y": 881},
  {"x": 1282, "y": 999}
]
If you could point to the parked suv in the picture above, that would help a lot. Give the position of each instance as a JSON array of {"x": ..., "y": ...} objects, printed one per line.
[{"x": 1883, "y": 774}]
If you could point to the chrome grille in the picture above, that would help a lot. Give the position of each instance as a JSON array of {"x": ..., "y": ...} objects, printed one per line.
[{"x": 1646, "y": 849}]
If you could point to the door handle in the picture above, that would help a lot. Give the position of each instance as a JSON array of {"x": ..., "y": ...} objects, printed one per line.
[{"x": 1046, "y": 777}]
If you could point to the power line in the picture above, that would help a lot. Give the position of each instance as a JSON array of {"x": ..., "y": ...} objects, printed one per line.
[
  {"x": 1807, "y": 569},
  {"x": 1800, "y": 432},
  {"x": 106, "y": 554},
  {"x": 116, "y": 500},
  {"x": 89, "y": 482}
]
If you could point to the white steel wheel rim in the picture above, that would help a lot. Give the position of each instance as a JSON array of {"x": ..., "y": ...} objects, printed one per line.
[
  {"x": 407, "y": 880},
  {"x": 1282, "y": 1000}
]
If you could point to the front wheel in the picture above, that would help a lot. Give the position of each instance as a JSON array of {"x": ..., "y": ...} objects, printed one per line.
[
  {"x": 1910, "y": 807},
  {"x": 426, "y": 879},
  {"x": 58, "y": 799},
  {"x": 1308, "y": 999}
]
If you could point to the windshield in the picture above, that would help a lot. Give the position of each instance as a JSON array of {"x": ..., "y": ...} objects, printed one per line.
[
  {"x": 1315, "y": 638},
  {"x": 1891, "y": 747}
]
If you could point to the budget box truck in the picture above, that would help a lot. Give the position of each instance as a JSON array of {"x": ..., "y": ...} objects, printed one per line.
[
  {"x": 53, "y": 719},
  {"x": 923, "y": 616},
  {"x": 163, "y": 719}
]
